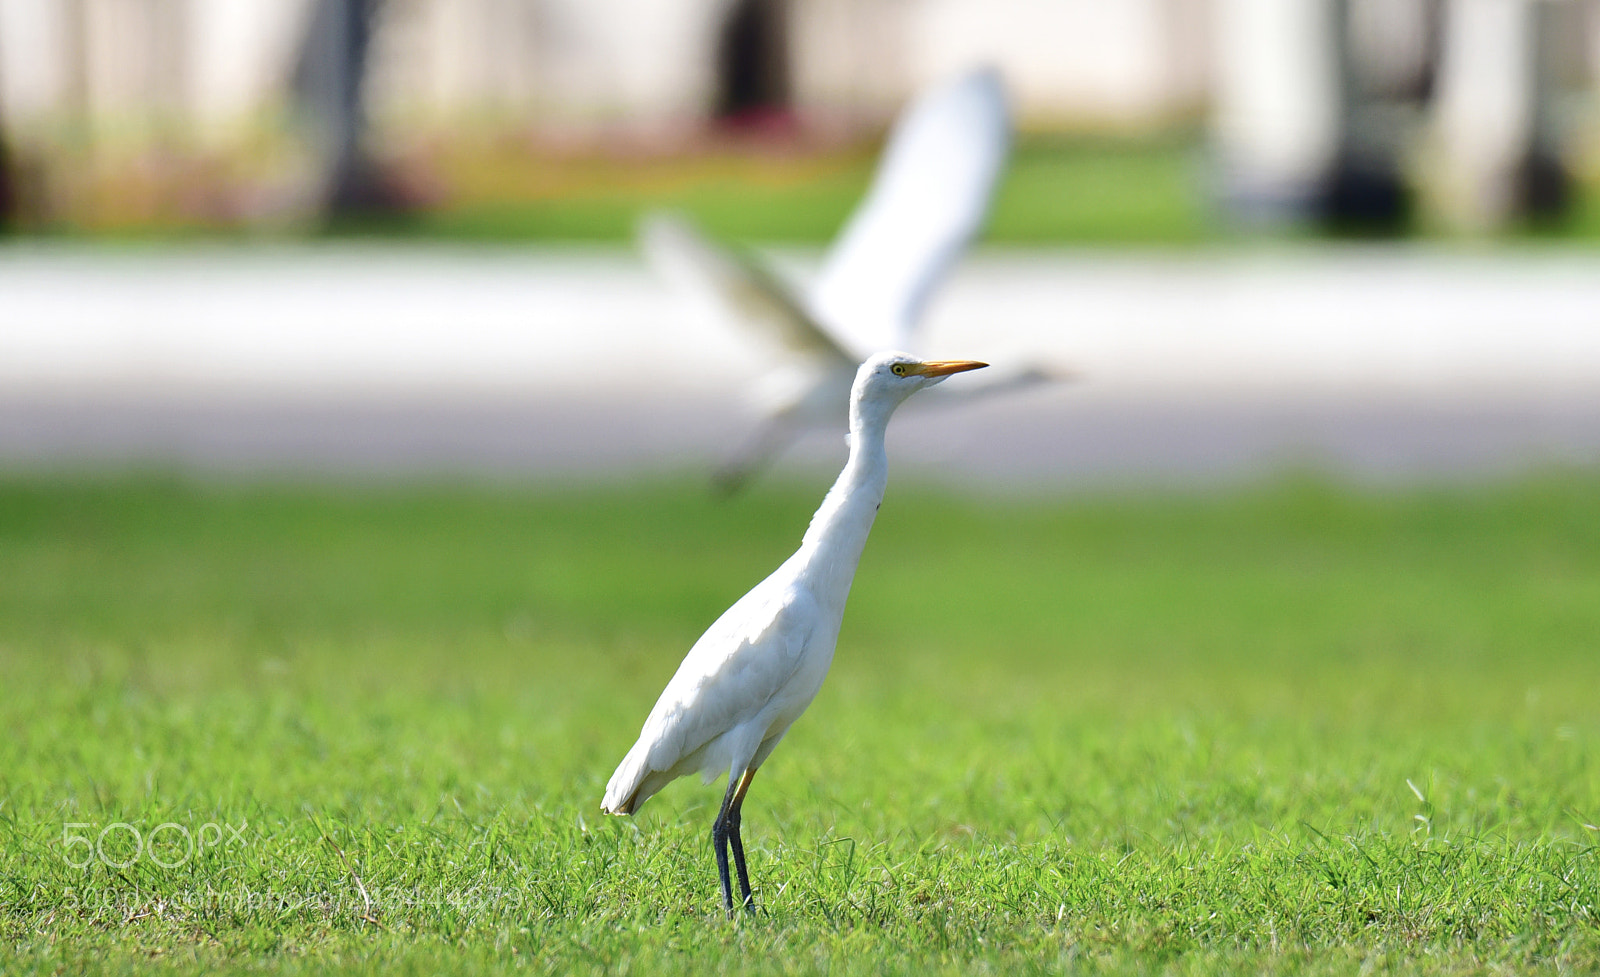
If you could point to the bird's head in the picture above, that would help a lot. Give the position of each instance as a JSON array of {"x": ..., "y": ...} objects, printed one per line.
[{"x": 886, "y": 379}]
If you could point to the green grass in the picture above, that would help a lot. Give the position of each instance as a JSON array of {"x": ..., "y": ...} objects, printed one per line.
[
  {"x": 1151, "y": 189},
  {"x": 1288, "y": 729},
  {"x": 1080, "y": 190},
  {"x": 1056, "y": 189}
]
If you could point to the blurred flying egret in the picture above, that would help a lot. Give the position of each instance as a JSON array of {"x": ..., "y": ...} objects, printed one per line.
[
  {"x": 756, "y": 669},
  {"x": 928, "y": 198}
]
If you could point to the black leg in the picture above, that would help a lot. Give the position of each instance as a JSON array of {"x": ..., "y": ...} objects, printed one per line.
[
  {"x": 738, "y": 862},
  {"x": 719, "y": 841},
  {"x": 738, "y": 843}
]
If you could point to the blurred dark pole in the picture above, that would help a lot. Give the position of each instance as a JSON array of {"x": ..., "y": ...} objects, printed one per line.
[
  {"x": 9, "y": 204},
  {"x": 753, "y": 65},
  {"x": 1277, "y": 108},
  {"x": 1543, "y": 186},
  {"x": 1365, "y": 191},
  {"x": 329, "y": 91},
  {"x": 1505, "y": 66},
  {"x": 1316, "y": 104}
]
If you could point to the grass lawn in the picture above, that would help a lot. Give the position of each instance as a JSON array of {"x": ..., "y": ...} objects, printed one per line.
[
  {"x": 1101, "y": 190},
  {"x": 1098, "y": 191},
  {"x": 1057, "y": 189},
  {"x": 1285, "y": 729}
]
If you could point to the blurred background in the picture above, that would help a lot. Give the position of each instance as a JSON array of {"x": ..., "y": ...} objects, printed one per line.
[
  {"x": 357, "y": 466},
  {"x": 383, "y": 236}
]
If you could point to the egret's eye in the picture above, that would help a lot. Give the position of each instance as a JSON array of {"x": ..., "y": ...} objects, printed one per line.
[{"x": 899, "y": 369}]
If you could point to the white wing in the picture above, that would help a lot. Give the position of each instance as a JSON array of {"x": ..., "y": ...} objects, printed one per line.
[
  {"x": 736, "y": 285},
  {"x": 928, "y": 198},
  {"x": 742, "y": 661}
]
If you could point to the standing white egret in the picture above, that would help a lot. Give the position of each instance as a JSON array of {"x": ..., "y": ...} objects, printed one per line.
[
  {"x": 928, "y": 198},
  {"x": 756, "y": 669}
]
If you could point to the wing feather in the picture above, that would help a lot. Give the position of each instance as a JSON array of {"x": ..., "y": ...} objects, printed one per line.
[
  {"x": 928, "y": 198},
  {"x": 736, "y": 668},
  {"x": 736, "y": 284}
]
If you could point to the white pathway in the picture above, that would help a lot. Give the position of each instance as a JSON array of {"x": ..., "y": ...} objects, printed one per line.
[{"x": 1378, "y": 362}]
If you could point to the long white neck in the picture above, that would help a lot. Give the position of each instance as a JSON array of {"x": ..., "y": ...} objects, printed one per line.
[{"x": 838, "y": 532}]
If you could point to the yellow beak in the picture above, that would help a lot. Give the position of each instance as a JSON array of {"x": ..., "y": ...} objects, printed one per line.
[{"x": 943, "y": 368}]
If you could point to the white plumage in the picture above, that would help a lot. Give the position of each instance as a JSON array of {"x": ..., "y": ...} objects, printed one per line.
[
  {"x": 756, "y": 669},
  {"x": 928, "y": 198},
  {"x": 737, "y": 691}
]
